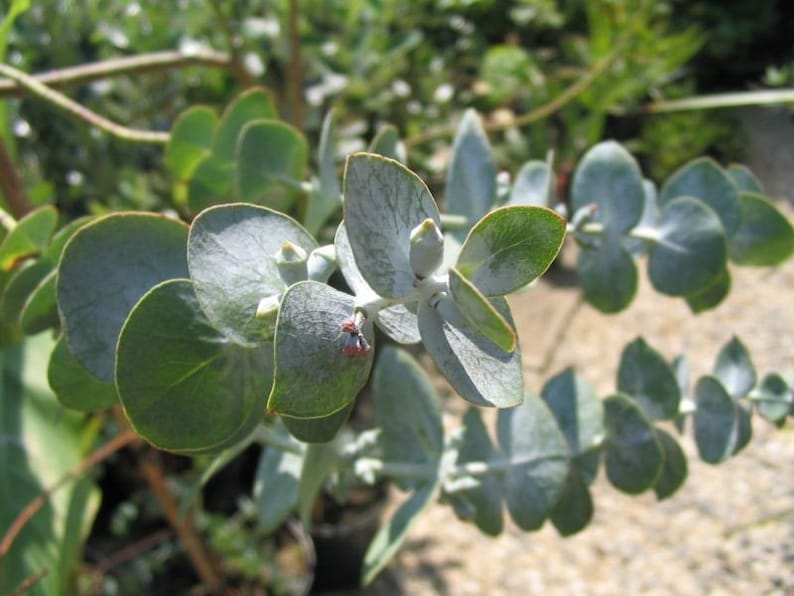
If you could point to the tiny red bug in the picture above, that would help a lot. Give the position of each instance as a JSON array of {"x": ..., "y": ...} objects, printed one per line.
[{"x": 355, "y": 342}]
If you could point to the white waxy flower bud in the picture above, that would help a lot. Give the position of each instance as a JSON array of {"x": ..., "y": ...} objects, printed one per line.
[
  {"x": 427, "y": 248},
  {"x": 291, "y": 262},
  {"x": 267, "y": 312}
]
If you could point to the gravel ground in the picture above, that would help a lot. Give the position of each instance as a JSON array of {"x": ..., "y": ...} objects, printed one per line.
[{"x": 729, "y": 530}]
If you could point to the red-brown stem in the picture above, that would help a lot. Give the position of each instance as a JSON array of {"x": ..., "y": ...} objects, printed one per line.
[{"x": 11, "y": 185}]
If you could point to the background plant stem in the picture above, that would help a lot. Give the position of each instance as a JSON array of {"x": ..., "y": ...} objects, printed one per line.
[{"x": 11, "y": 185}]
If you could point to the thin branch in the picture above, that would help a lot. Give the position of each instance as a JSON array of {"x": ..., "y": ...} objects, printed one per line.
[
  {"x": 721, "y": 100},
  {"x": 64, "y": 103},
  {"x": 132, "y": 551},
  {"x": 36, "y": 504},
  {"x": 295, "y": 66},
  {"x": 30, "y": 582},
  {"x": 138, "y": 64},
  {"x": 11, "y": 185},
  {"x": 152, "y": 471},
  {"x": 570, "y": 93}
]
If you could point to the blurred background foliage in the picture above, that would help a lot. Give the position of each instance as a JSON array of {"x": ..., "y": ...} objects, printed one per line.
[{"x": 415, "y": 64}]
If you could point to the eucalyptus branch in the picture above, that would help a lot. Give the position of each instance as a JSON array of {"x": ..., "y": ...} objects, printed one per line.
[
  {"x": 68, "y": 105},
  {"x": 139, "y": 64},
  {"x": 595, "y": 228}
]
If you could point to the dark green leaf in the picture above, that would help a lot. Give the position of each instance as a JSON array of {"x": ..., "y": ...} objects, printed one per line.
[
  {"x": 271, "y": 163},
  {"x": 634, "y": 458},
  {"x": 608, "y": 275},
  {"x": 675, "y": 469},
  {"x": 764, "y": 237},
  {"x": 487, "y": 494},
  {"x": 645, "y": 376},
  {"x": 716, "y": 421},
  {"x": 309, "y": 337},
  {"x": 211, "y": 182},
  {"x": 23, "y": 281},
  {"x": 704, "y": 179},
  {"x": 609, "y": 177},
  {"x": 734, "y": 368},
  {"x": 774, "y": 398},
  {"x": 406, "y": 412},
  {"x": 105, "y": 268},
  {"x": 712, "y": 296},
  {"x": 40, "y": 310},
  {"x": 471, "y": 178},
  {"x": 510, "y": 247},
  {"x": 574, "y": 510},
  {"x": 745, "y": 434},
  {"x": 537, "y": 461},
  {"x": 185, "y": 387},
  {"x": 74, "y": 386},
  {"x": 577, "y": 409},
  {"x": 479, "y": 370},
  {"x": 480, "y": 313},
  {"x": 690, "y": 253},
  {"x": 318, "y": 430},
  {"x": 392, "y": 534},
  {"x": 190, "y": 140},
  {"x": 231, "y": 250},
  {"x": 384, "y": 202}
]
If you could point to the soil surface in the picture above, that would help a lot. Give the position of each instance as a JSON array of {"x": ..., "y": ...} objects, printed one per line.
[{"x": 729, "y": 530}]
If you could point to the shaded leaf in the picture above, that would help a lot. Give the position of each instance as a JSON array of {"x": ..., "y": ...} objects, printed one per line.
[
  {"x": 574, "y": 510},
  {"x": 645, "y": 376},
  {"x": 534, "y": 185},
  {"x": 774, "y": 398},
  {"x": 577, "y": 410},
  {"x": 480, "y": 313},
  {"x": 190, "y": 140},
  {"x": 318, "y": 430},
  {"x": 252, "y": 104},
  {"x": 28, "y": 237},
  {"x": 734, "y": 368},
  {"x": 608, "y": 275},
  {"x": 764, "y": 237},
  {"x": 716, "y": 421},
  {"x": 276, "y": 486},
  {"x": 675, "y": 468},
  {"x": 74, "y": 386},
  {"x": 712, "y": 296},
  {"x": 744, "y": 179}
]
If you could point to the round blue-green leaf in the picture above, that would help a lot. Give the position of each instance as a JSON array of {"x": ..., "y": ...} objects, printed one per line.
[
  {"x": 633, "y": 457},
  {"x": 675, "y": 468},
  {"x": 252, "y": 104},
  {"x": 534, "y": 185},
  {"x": 318, "y": 430},
  {"x": 488, "y": 491},
  {"x": 537, "y": 461},
  {"x": 471, "y": 179},
  {"x": 690, "y": 252},
  {"x": 510, "y": 247},
  {"x": 28, "y": 237},
  {"x": 231, "y": 252},
  {"x": 774, "y": 398},
  {"x": 406, "y": 412},
  {"x": 734, "y": 368},
  {"x": 574, "y": 509},
  {"x": 314, "y": 378},
  {"x": 716, "y": 421},
  {"x": 480, "y": 313},
  {"x": 744, "y": 179},
  {"x": 104, "y": 270},
  {"x": 712, "y": 296},
  {"x": 577, "y": 410},
  {"x": 478, "y": 369},
  {"x": 609, "y": 177},
  {"x": 271, "y": 163},
  {"x": 190, "y": 140},
  {"x": 74, "y": 386},
  {"x": 184, "y": 386},
  {"x": 608, "y": 275},
  {"x": 384, "y": 202},
  {"x": 396, "y": 321},
  {"x": 645, "y": 376},
  {"x": 764, "y": 237},
  {"x": 704, "y": 179}
]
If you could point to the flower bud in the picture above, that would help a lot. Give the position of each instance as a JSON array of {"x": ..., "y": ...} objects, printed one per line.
[
  {"x": 267, "y": 312},
  {"x": 427, "y": 248},
  {"x": 291, "y": 262}
]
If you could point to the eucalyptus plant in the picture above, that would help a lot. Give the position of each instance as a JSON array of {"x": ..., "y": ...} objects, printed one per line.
[{"x": 234, "y": 328}]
